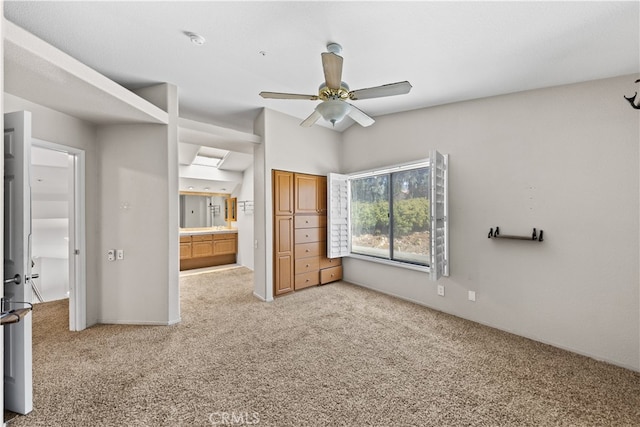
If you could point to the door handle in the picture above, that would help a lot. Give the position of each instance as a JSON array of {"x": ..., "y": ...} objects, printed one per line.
[{"x": 15, "y": 279}]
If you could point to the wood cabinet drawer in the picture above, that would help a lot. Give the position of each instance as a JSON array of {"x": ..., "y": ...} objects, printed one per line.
[
  {"x": 330, "y": 262},
  {"x": 201, "y": 237},
  {"x": 330, "y": 274},
  {"x": 305, "y": 280},
  {"x": 310, "y": 221},
  {"x": 225, "y": 236},
  {"x": 201, "y": 249},
  {"x": 308, "y": 235},
  {"x": 185, "y": 250},
  {"x": 185, "y": 239},
  {"x": 306, "y": 250},
  {"x": 222, "y": 247},
  {"x": 305, "y": 265}
]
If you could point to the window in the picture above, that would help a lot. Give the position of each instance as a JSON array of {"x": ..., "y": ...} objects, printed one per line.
[{"x": 388, "y": 215}]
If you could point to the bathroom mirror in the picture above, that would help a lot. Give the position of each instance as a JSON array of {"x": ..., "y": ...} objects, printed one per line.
[{"x": 206, "y": 210}]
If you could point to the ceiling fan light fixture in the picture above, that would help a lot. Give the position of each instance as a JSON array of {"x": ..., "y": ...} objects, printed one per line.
[{"x": 333, "y": 111}]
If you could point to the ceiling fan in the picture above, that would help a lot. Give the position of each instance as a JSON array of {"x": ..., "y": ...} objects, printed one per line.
[{"x": 334, "y": 93}]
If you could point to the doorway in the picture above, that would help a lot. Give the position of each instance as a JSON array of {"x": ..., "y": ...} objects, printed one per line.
[{"x": 58, "y": 227}]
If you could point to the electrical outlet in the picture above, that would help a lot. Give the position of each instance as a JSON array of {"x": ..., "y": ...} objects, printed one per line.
[
  {"x": 111, "y": 255},
  {"x": 120, "y": 254},
  {"x": 472, "y": 295},
  {"x": 441, "y": 290}
]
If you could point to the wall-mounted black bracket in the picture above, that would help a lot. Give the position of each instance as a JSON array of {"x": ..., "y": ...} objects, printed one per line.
[
  {"x": 632, "y": 99},
  {"x": 534, "y": 237}
]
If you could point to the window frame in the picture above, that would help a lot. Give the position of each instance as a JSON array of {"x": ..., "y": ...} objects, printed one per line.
[
  {"x": 390, "y": 171},
  {"x": 339, "y": 215}
]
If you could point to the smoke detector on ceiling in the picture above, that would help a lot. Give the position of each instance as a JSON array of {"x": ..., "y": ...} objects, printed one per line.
[{"x": 196, "y": 39}]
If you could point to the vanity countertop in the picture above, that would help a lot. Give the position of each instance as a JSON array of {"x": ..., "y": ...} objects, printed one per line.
[{"x": 206, "y": 230}]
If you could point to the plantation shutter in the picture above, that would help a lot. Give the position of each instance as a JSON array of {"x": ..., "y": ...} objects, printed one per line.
[
  {"x": 439, "y": 220},
  {"x": 338, "y": 217}
]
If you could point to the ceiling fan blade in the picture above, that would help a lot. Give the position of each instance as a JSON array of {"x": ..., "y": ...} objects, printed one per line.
[
  {"x": 279, "y": 95},
  {"x": 390, "y": 89},
  {"x": 332, "y": 65},
  {"x": 359, "y": 116},
  {"x": 309, "y": 121}
]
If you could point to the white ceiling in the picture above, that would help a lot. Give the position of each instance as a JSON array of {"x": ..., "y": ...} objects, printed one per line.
[{"x": 449, "y": 51}]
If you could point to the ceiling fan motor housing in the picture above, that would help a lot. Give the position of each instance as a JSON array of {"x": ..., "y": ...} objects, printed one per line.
[{"x": 325, "y": 93}]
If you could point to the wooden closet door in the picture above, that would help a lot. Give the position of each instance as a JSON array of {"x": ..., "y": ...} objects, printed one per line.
[
  {"x": 284, "y": 257},
  {"x": 306, "y": 194},
  {"x": 282, "y": 193}
]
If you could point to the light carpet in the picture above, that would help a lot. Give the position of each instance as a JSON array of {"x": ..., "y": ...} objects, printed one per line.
[{"x": 336, "y": 355}]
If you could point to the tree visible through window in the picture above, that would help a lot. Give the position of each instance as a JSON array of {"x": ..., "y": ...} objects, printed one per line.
[{"x": 390, "y": 216}]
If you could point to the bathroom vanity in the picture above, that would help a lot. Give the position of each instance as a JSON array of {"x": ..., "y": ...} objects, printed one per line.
[
  {"x": 207, "y": 238},
  {"x": 207, "y": 247}
]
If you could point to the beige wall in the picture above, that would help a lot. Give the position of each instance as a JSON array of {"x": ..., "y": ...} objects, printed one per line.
[
  {"x": 245, "y": 219},
  {"x": 562, "y": 159},
  {"x": 138, "y": 184},
  {"x": 133, "y": 215},
  {"x": 165, "y": 97},
  {"x": 260, "y": 195}
]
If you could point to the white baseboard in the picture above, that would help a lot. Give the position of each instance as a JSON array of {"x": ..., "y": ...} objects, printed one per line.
[
  {"x": 261, "y": 298},
  {"x": 136, "y": 322}
]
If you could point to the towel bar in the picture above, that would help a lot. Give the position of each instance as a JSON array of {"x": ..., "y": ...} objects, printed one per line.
[{"x": 9, "y": 316}]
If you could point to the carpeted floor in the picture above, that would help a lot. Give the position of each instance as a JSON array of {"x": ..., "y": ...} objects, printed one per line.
[{"x": 337, "y": 355}]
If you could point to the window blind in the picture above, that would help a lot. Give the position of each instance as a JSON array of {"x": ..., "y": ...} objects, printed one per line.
[
  {"x": 338, "y": 218},
  {"x": 439, "y": 220}
]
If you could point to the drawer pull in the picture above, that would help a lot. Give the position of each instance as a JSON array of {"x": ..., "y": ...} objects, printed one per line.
[
  {"x": 306, "y": 235},
  {"x": 307, "y": 265},
  {"x": 306, "y": 250}
]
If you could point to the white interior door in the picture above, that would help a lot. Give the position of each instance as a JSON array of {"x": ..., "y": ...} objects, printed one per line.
[
  {"x": 18, "y": 389},
  {"x": 77, "y": 231}
]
